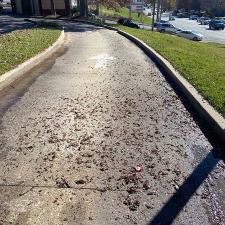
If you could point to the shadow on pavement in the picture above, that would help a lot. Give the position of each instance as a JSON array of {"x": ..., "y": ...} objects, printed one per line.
[
  {"x": 176, "y": 203},
  {"x": 80, "y": 27},
  {"x": 16, "y": 90},
  {"x": 12, "y": 23}
]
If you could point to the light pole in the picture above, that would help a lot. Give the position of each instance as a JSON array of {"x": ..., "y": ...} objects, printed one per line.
[{"x": 130, "y": 9}]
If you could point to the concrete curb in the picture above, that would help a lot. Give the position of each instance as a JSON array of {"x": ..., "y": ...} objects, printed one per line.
[
  {"x": 215, "y": 120},
  {"x": 9, "y": 77}
]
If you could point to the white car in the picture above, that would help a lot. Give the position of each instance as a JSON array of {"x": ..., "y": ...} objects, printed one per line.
[{"x": 191, "y": 35}]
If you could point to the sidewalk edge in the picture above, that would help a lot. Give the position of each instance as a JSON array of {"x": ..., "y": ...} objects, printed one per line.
[{"x": 216, "y": 121}]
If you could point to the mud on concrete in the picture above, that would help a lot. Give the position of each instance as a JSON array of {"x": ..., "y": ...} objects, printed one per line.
[{"x": 100, "y": 137}]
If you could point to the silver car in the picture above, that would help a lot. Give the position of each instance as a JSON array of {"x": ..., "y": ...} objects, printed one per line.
[
  {"x": 167, "y": 28},
  {"x": 205, "y": 21},
  {"x": 191, "y": 35}
]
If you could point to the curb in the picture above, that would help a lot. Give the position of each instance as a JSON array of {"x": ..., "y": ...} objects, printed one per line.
[
  {"x": 20, "y": 71},
  {"x": 215, "y": 120}
]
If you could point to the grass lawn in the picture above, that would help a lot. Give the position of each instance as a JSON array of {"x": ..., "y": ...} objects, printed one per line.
[
  {"x": 16, "y": 47},
  {"x": 202, "y": 64},
  {"x": 124, "y": 12}
]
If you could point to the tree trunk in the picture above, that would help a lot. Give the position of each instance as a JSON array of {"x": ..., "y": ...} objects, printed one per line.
[
  {"x": 53, "y": 12},
  {"x": 158, "y": 9},
  {"x": 83, "y": 8},
  {"x": 153, "y": 15}
]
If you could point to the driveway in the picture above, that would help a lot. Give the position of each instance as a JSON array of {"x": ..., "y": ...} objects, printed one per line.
[{"x": 97, "y": 135}]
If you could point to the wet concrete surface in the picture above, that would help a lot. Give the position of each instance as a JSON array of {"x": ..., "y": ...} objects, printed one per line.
[{"x": 98, "y": 136}]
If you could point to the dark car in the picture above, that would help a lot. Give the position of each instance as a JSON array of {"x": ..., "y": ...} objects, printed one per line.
[
  {"x": 91, "y": 14},
  {"x": 180, "y": 15},
  {"x": 128, "y": 23},
  {"x": 216, "y": 24},
  {"x": 193, "y": 17},
  {"x": 171, "y": 18},
  {"x": 157, "y": 23}
]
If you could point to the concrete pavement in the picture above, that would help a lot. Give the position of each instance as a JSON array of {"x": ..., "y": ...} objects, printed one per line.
[{"x": 100, "y": 137}]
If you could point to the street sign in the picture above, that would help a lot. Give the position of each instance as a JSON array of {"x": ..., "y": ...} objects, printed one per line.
[{"x": 137, "y": 6}]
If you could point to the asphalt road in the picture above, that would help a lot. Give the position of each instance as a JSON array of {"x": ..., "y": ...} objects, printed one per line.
[
  {"x": 96, "y": 135},
  {"x": 216, "y": 36},
  {"x": 10, "y": 23}
]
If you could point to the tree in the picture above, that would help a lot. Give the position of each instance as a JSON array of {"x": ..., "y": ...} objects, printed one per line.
[
  {"x": 53, "y": 11},
  {"x": 83, "y": 8}
]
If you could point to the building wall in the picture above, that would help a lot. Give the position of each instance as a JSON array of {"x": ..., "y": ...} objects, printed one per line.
[
  {"x": 59, "y": 6},
  {"x": 45, "y": 8},
  {"x": 46, "y": 4}
]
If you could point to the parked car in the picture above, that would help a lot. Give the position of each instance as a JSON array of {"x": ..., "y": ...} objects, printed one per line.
[
  {"x": 205, "y": 20},
  {"x": 181, "y": 15},
  {"x": 216, "y": 24},
  {"x": 199, "y": 19},
  {"x": 193, "y": 17},
  {"x": 91, "y": 15},
  {"x": 191, "y": 35},
  {"x": 171, "y": 18},
  {"x": 128, "y": 23},
  {"x": 157, "y": 23},
  {"x": 167, "y": 28}
]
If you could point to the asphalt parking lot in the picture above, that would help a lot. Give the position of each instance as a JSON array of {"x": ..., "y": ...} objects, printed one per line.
[{"x": 216, "y": 36}]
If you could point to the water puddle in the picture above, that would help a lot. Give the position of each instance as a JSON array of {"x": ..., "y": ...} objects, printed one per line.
[{"x": 102, "y": 60}]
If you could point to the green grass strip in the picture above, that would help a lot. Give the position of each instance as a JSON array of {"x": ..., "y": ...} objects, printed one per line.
[
  {"x": 16, "y": 47},
  {"x": 202, "y": 64},
  {"x": 124, "y": 12}
]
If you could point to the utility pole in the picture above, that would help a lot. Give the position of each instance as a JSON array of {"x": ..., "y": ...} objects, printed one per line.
[
  {"x": 158, "y": 9},
  {"x": 98, "y": 8},
  {"x": 162, "y": 5},
  {"x": 153, "y": 15},
  {"x": 130, "y": 10}
]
